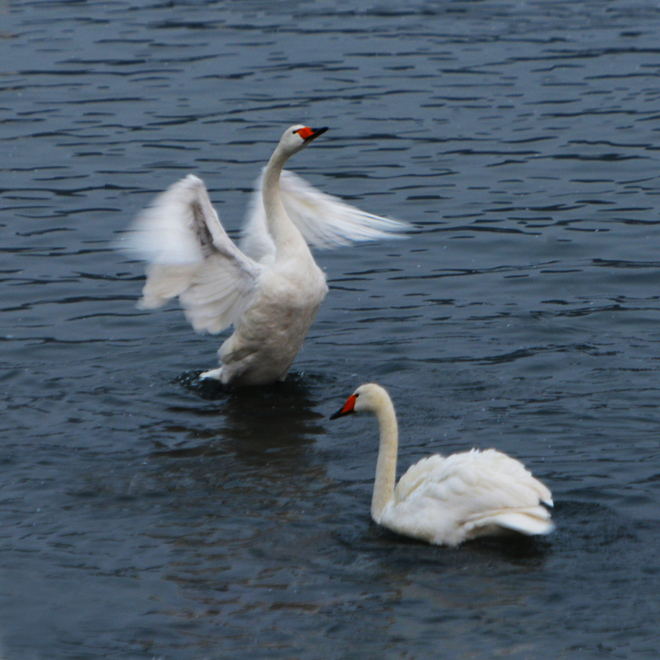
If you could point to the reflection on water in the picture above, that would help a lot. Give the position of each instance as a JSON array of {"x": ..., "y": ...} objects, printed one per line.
[
  {"x": 260, "y": 439},
  {"x": 262, "y": 419}
]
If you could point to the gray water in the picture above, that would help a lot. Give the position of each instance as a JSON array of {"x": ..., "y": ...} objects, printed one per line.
[{"x": 143, "y": 516}]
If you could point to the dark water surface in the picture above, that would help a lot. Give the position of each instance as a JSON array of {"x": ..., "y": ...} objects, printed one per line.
[{"x": 142, "y": 517}]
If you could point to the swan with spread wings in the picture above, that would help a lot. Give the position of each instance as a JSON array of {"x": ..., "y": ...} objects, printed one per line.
[{"x": 268, "y": 287}]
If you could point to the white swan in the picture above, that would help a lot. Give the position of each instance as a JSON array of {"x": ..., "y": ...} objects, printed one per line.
[
  {"x": 271, "y": 288},
  {"x": 446, "y": 501}
]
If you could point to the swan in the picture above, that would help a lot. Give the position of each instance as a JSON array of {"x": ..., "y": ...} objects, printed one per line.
[
  {"x": 268, "y": 287},
  {"x": 445, "y": 501}
]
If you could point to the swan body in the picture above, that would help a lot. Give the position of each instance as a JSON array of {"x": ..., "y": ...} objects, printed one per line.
[
  {"x": 268, "y": 287},
  {"x": 446, "y": 501}
]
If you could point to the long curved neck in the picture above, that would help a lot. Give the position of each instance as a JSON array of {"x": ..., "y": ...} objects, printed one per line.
[
  {"x": 285, "y": 233},
  {"x": 387, "y": 456}
]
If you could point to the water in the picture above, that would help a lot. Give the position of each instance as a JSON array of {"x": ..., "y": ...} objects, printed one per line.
[{"x": 144, "y": 517}]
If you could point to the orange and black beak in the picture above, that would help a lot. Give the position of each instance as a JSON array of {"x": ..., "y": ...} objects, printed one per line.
[
  {"x": 309, "y": 134},
  {"x": 347, "y": 409}
]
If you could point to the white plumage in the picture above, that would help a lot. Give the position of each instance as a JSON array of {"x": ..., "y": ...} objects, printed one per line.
[
  {"x": 325, "y": 221},
  {"x": 449, "y": 500},
  {"x": 270, "y": 288}
]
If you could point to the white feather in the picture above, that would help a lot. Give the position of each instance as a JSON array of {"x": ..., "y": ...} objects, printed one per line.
[
  {"x": 324, "y": 221},
  {"x": 192, "y": 257},
  {"x": 449, "y": 500},
  {"x": 272, "y": 289}
]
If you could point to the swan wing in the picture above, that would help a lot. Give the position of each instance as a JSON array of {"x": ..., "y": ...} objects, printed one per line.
[
  {"x": 473, "y": 483},
  {"x": 449, "y": 500},
  {"x": 256, "y": 239},
  {"x": 192, "y": 257},
  {"x": 323, "y": 220},
  {"x": 417, "y": 475}
]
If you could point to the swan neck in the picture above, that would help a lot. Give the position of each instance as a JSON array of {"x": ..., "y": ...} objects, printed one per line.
[
  {"x": 387, "y": 458},
  {"x": 284, "y": 232}
]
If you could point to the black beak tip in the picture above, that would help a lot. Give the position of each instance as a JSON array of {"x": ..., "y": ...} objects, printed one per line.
[
  {"x": 317, "y": 132},
  {"x": 341, "y": 413}
]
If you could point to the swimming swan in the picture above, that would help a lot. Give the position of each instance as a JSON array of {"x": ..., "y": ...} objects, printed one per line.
[
  {"x": 269, "y": 287},
  {"x": 446, "y": 501}
]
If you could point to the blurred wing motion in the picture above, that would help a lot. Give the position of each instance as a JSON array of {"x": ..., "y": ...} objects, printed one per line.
[
  {"x": 323, "y": 220},
  {"x": 191, "y": 256}
]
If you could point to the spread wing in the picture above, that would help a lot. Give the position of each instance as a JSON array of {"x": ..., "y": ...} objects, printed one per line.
[
  {"x": 191, "y": 256},
  {"x": 323, "y": 220}
]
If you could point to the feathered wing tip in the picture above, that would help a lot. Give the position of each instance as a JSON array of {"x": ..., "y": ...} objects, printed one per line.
[
  {"x": 328, "y": 222},
  {"x": 192, "y": 257},
  {"x": 166, "y": 231},
  {"x": 323, "y": 220}
]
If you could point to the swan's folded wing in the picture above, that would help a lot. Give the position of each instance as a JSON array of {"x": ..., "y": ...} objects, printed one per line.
[
  {"x": 191, "y": 256},
  {"x": 323, "y": 220},
  {"x": 473, "y": 483},
  {"x": 417, "y": 475},
  {"x": 480, "y": 481}
]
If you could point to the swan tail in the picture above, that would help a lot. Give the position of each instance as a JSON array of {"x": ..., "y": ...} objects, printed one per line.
[{"x": 531, "y": 522}]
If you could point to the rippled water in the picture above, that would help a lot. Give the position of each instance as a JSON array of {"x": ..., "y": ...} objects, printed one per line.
[{"x": 144, "y": 517}]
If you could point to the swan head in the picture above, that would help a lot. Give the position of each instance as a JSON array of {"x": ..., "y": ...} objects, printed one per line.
[
  {"x": 366, "y": 398},
  {"x": 298, "y": 136}
]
